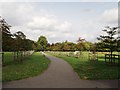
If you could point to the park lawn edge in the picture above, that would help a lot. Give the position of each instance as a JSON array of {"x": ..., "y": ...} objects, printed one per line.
[
  {"x": 102, "y": 77},
  {"x": 30, "y": 74}
]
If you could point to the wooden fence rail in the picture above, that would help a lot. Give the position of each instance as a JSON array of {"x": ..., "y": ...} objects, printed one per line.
[
  {"x": 112, "y": 59},
  {"x": 17, "y": 56}
]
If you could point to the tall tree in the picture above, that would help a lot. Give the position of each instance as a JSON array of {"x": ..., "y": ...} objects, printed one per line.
[
  {"x": 66, "y": 46},
  {"x": 19, "y": 42},
  {"x": 109, "y": 41},
  {"x": 42, "y": 43},
  {"x": 6, "y": 35},
  {"x": 80, "y": 44}
]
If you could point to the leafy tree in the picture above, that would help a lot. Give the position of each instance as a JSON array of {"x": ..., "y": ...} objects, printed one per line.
[
  {"x": 57, "y": 46},
  {"x": 28, "y": 45},
  {"x": 34, "y": 46},
  {"x": 66, "y": 46},
  {"x": 109, "y": 41},
  {"x": 6, "y": 35},
  {"x": 72, "y": 46},
  {"x": 88, "y": 46},
  {"x": 19, "y": 41},
  {"x": 42, "y": 43},
  {"x": 80, "y": 45}
]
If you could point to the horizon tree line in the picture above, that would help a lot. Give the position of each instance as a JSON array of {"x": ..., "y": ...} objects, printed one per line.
[{"x": 18, "y": 42}]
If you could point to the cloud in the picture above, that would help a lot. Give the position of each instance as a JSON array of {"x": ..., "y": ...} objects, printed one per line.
[
  {"x": 32, "y": 22},
  {"x": 64, "y": 27},
  {"x": 42, "y": 22},
  {"x": 87, "y": 10},
  {"x": 110, "y": 16},
  {"x": 35, "y": 21},
  {"x": 17, "y": 14}
]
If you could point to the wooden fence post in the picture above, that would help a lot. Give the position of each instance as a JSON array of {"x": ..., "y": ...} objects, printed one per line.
[
  {"x": 3, "y": 58},
  {"x": 105, "y": 57}
]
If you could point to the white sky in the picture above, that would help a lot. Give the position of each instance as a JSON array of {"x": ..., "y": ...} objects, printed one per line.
[{"x": 60, "y": 21}]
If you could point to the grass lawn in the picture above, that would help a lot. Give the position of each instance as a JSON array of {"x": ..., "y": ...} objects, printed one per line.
[
  {"x": 91, "y": 70},
  {"x": 31, "y": 66},
  {"x": 8, "y": 58}
]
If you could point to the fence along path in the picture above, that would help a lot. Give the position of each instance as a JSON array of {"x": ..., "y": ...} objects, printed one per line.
[
  {"x": 59, "y": 75},
  {"x": 16, "y": 56},
  {"x": 112, "y": 59}
]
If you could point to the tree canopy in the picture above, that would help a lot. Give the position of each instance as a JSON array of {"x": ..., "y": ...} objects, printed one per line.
[
  {"x": 42, "y": 43},
  {"x": 16, "y": 41},
  {"x": 109, "y": 41}
]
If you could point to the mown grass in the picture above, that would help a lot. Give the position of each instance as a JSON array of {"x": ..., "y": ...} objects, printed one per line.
[
  {"x": 8, "y": 58},
  {"x": 31, "y": 66},
  {"x": 91, "y": 70}
]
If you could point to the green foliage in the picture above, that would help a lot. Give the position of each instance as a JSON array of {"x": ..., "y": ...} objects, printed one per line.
[
  {"x": 8, "y": 58},
  {"x": 19, "y": 41},
  {"x": 70, "y": 46},
  {"x": 6, "y": 35},
  {"x": 42, "y": 43},
  {"x": 108, "y": 41},
  {"x": 31, "y": 66},
  {"x": 16, "y": 41},
  {"x": 84, "y": 45},
  {"x": 91, "y": 70}
]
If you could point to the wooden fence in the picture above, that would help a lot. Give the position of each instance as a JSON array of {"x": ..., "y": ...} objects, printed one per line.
[
  {"x": 112, "y": 59},
  {"x": 75, "y": 54},
  {"x": 17, "y": 56}
]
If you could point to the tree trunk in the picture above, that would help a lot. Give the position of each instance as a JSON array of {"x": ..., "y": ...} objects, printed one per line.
[
  {"x": 14, "y": 56},
  {"x": 111, "y": 56},
  {"x": 21, "y": 56},
  {"x": 3, "y": 58},
  {"x": 17, "y": 56}
]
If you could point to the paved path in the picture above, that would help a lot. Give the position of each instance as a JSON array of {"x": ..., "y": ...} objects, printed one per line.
[{"x": 59, "y": 75}]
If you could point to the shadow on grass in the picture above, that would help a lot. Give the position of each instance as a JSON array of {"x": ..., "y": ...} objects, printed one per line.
[{"x": 96, "y": 70}]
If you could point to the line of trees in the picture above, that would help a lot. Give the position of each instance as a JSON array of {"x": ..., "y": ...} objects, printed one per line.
[
  {"x": 81, "y": 45},
  {"x": 108, "y": 42},
  {"x": 15, "y": 42}
]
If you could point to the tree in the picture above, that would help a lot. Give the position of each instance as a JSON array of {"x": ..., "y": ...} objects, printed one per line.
[
  {"x": 19, "y": 41},
  {"x": 34, "y": 46},
  {"x": 6, "y": 35},
  {"x": 66, "y": 46},
  {"x": 56, "y": 47},
  {"x": 28, "y": 45},
  {"x": 42, "y": 43},
  {"x": 88, "y": 46},
  {"x": 19, "y": 45},
  {"x": 80, "y": 44},
  {"x": 109, "y": 41}
]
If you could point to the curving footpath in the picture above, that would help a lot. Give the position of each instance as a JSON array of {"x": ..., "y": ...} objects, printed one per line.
[{"x": 59, "y": 75}]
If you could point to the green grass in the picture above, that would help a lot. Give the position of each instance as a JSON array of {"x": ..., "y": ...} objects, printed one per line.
[
  {"x": 31, "y": 66},
  {"x": 91, "y": 70},
  {"x": 8, "y": 58}
]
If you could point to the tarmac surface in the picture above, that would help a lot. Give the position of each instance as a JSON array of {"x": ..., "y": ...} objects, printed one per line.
[{"x": 59, "y": 75}]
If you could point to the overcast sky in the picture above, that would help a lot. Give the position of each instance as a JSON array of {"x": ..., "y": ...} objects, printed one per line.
[{"x": 60, "y": 21}]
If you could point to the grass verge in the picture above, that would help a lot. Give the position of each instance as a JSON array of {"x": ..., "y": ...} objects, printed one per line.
[
  {"x": 91, "y": 70},
  {"x": 31, "y": 66}
]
